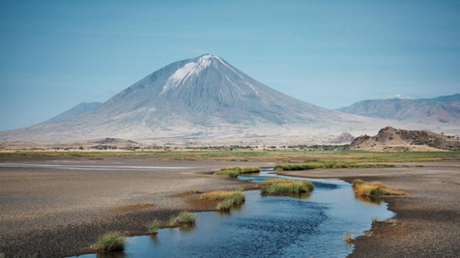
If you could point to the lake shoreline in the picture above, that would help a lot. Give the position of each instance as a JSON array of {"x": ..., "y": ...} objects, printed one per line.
[
  {"x": 427, "y": 221},
  {"x": 59, "y": 212}
]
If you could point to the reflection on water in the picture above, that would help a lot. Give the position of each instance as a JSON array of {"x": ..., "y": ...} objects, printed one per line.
[
  {"x": 309, "y": 225},
  {"x": 370, "y": 200}
]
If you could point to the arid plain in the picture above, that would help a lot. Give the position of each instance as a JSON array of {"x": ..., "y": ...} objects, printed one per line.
[{"x": 57, "y": 206}]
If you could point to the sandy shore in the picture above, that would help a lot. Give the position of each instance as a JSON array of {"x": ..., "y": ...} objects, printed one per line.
[
  {"x": 427, "y": 219},
  {"x": 56, "y": 207}
]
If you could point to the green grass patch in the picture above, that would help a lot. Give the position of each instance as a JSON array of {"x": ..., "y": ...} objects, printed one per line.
[
  {"x": 184, "y": 218},
  {"x": 110, "y": 242},
  {"x": 229, "y": 199},
  {"x": 197, "y": 190},
  {"x": 236, "y": 171},
  {"x": 154, "y": 226},
  {"x": 285, "y": 186},
  {"x": 354, "y": 156},
  {"x": 324, "y": 164}
]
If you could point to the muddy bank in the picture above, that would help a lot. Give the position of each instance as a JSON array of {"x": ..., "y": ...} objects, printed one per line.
[
  {"x": 427, "y": 222},
  {"x": 57, "y": 207}
]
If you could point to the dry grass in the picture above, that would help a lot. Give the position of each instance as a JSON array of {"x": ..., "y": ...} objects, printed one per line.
[{"x": 373, "y": 188}]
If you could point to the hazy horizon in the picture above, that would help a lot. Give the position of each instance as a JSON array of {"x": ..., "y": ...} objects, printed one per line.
[{"x": 55, "y": 55}]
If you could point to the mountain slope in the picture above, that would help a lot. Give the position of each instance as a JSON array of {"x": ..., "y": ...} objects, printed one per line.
[
  {"x": 73, "y": 112},
  {"x": 444, "y": 109},
  {"x": 202, "y": 97}
]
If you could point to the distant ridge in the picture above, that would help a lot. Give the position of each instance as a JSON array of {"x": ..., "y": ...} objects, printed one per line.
[
  {"x": 73, "y": 112},
  {"x": 445, "y": 109}
]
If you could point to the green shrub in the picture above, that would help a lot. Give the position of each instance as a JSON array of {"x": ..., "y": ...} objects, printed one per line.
[{"x": 110, "y": 242}]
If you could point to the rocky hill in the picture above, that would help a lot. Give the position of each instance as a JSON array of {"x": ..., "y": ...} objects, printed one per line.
[
  {"x": 200, "y": 98},
  {"x": 441, "y": 110},
  {"x": 391, "y": 139}
]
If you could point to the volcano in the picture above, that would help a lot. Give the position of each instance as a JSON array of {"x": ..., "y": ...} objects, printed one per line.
[{"x": 196, "y": 98}]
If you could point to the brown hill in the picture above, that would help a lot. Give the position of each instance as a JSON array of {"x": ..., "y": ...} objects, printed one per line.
[
  {"x": 392, "y": 139},
  {"x": 441, "y": 110}
]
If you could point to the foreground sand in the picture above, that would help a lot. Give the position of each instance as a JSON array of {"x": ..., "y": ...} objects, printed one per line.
[
  {"x": 56, "y": 207},
  {"x": 427, "y": 219}
]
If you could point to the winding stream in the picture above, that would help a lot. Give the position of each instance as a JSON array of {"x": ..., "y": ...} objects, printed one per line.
[{"x": 311, "y": 225}]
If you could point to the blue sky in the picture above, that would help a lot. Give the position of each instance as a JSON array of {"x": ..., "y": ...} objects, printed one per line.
[{"x": 56, "y": 54}]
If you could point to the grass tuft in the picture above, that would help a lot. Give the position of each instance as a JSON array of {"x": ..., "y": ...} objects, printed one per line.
[
  {"x": 229, "y": 199},
  {"x": 154, "y": 226},
  {"x": 236, "y": 171},
  {"x": 347, "y": 236},
  {"x": 281, "y": 186},
  {"x": 110, "y": 242},
  {"x": 376, "y": 220},
  {"x": 184, "y": 218},
  {"x": 197, "y": 190},
  {"x": 372, "y": 188}
]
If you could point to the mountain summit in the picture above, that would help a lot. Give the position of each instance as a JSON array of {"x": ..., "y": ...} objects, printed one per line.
[{"x": 202, "y": 97}]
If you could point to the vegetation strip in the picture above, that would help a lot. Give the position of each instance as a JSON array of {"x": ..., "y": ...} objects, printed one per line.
[
  {"x": 209, "y": 152},
  {"x": 323, "y": 164},
  {"x": 280, "y": 186},
  {"x": 236, "y": 171}
]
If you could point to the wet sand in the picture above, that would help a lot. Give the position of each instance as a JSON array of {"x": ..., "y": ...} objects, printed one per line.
[
  {"x": 427, "y": 218},
  {"x": 56, "y": 207}
]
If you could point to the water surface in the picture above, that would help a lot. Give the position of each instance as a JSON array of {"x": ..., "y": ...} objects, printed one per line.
[{"x": 310, "y": 225}]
